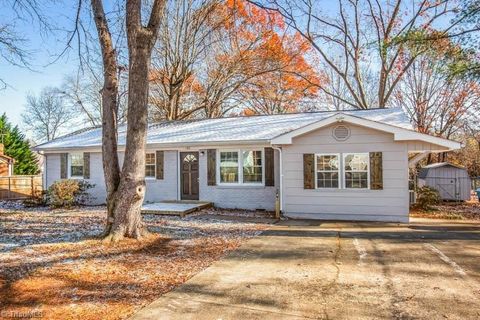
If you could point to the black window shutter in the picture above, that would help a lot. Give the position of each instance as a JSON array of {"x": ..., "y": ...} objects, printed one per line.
[
  {"x": 86, "y": 165},
  {"x": 376, "y": 171},
  {"x": 309, "y": 171},
  {"x": 159, "y": 161},
  {"x": 212, "y": 167},
  {"x": 63, "y": 165},
  {"x": 269, "y": 167}
]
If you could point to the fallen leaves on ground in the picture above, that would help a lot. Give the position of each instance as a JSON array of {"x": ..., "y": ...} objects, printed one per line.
[
  {"x": 469, "y": 210},
  {"x": 52, "y": 264}
]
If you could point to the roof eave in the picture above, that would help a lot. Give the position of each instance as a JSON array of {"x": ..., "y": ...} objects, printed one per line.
[
  {"x": 412, "y": 135},
  {"x": 162, "y": 146}
]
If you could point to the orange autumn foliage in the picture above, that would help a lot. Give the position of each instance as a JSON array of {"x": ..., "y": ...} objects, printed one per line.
[
  {"x": 274, "y": 59},
  {"x": 254, "y": 61},
  {"x": 290, "y": 80}
]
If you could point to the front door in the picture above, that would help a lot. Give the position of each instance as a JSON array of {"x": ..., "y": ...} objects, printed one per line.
[{"x": 189, "y": 175}]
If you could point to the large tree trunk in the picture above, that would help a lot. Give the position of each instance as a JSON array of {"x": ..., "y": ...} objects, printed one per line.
[
  {"x": 128, "y": 221},
  {"x": 126, "y": 189},
  {"x": 111, "y": 167}
]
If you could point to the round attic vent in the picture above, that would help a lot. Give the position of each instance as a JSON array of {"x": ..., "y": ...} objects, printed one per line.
[{"x": 341, "y": 133}]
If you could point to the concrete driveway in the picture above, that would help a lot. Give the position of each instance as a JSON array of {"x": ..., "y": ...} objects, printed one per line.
[{"x": 319, "y": 270}]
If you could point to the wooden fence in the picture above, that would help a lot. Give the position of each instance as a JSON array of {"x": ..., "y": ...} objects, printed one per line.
[
  {"x": 20, "y": 187},
  {"x": 475, "y": 183}
]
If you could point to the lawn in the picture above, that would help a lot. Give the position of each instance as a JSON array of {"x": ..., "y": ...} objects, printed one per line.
[{"x": 53, "y": 266}]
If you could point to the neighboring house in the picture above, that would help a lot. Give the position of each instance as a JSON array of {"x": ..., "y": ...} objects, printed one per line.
[
  {"x": 451, "y": 181},
  {"x": 6, "y": 163},
  {"x": 349, "y": 165}
]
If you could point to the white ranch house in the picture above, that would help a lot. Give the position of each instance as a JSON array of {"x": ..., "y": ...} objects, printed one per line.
[{"x": 348, "y": 165}]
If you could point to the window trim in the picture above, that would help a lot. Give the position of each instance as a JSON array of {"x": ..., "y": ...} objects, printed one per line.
[
  {"x": 340, "y": 165},
  {"x": 239, "y": 156},
  {"x": 154, "y": 164},
  {"x": 344, "y": 155},
  {"x": 69, "y": 165},
  {"x": 240, "y": 168},
  {"x": 262, "y": 157}
]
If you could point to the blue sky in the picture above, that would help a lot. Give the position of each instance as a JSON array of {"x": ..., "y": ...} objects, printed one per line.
[
  {"x": 22, "y": 81},
  {"x": 43, "y": 48}
]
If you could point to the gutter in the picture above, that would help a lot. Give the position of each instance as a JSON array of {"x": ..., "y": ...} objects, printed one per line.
[
  {"x": 279, "y": 149},
  {"x": 160, "y": 146}
]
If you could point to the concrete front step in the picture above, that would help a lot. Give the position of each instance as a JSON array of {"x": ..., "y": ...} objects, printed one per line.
[{"x": 179, "y": 208}]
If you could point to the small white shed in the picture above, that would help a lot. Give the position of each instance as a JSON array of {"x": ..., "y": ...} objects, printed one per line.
[{"x": 451, "y": 181}]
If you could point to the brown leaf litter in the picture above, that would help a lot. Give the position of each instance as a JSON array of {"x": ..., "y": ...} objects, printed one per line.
[{"x": 52, "y": 264}]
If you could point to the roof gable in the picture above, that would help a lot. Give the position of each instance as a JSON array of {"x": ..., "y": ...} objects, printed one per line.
[{"x": 399, "y": 133}]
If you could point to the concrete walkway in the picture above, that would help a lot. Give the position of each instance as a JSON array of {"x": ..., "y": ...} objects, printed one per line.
[{"x": 317, "y": 270}]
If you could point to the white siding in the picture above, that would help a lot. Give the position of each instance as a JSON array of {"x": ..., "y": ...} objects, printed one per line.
[
  {"x": 389, "y": 204},
  {"x": 157, "y": 190},
  {"x": 166, "y": 189},
  {"x": 98, "y": 193},
  {"x": 238, "y": 197},
  {"x": 52, "y": 168}
]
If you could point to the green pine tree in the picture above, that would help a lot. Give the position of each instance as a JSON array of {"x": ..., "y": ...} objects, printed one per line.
[{"x": 17, "y": 147}]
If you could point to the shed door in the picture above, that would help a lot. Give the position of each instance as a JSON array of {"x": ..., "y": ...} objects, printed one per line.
[
  {"x": 447, "y": 188},
  {"x": 189, "y": 175}
]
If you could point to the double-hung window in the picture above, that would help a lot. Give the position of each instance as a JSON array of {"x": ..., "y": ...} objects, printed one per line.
[
  {"x": 76, "y": 165},
  {"x": 356, "y": 175},
  {"x": 252, "y": 166},
  {"x": 229, "y": 167},
  {"x": 328, "y": 167},
  {"x": 150, "y": 165},
  {"x": 240, "y": 167},
  {"x": 346, "y": 171}
]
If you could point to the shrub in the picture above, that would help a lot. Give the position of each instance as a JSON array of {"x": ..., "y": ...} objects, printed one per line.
[
  {"x": 37, "y": 201},
  {"x": 427, "y": 197},
  {"x": 68, "y": 193}
]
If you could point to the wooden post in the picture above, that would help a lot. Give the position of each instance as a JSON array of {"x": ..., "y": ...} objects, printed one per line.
[
  {"x": 277, "y": 205},
  {"x": 33, "y": 187},
  {"x": 9, "y": 189}
]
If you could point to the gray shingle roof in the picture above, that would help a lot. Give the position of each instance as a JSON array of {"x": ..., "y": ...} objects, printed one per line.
[{"x": 234, "y": 129}]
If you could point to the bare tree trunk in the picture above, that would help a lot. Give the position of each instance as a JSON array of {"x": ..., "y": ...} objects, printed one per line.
[
  {"x": 126, "y": 189},
  {"x": 111, "y": 167},
  {"x": 128, "y": 221}
]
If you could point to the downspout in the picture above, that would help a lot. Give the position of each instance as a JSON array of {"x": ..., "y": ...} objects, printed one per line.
[
  {"x": 44, "y": 169},
  {"x": 279, "y": 149},
  {"x": 178, "y": 174}
]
